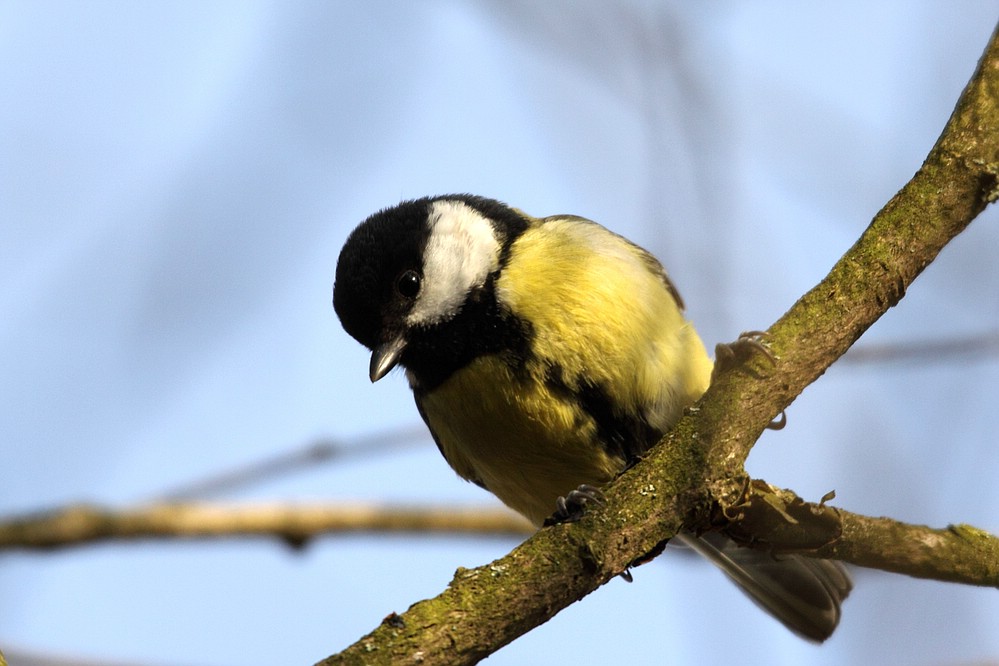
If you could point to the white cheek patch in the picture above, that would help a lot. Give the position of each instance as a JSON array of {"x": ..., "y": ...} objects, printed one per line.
[{"x": 461, "y": 252}]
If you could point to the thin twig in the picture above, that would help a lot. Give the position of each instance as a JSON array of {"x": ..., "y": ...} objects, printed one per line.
[
  {"x": 983, "y": 346},
  {"x": 320, "y": 451}
]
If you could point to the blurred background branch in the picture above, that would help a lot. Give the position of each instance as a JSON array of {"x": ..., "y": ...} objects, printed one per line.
[{"x": 293, "y": 523}]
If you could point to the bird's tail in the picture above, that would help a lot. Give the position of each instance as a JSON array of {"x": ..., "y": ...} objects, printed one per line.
[{"x": 804, "y": 593}]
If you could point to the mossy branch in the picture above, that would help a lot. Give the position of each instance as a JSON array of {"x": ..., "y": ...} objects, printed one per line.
[{"x": 780, "y": 521}]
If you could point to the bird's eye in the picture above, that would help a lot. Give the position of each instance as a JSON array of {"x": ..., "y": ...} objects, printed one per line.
[{"x": 408, "y": 284}]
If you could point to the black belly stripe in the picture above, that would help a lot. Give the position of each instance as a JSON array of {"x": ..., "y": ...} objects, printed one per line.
[{"x": 625, "y": 436}]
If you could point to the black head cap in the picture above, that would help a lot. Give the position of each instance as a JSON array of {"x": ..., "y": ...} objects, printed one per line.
[{"x": 379, "y": 250}]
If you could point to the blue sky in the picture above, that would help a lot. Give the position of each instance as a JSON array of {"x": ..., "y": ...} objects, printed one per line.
[{"x": 177, "y": 179}]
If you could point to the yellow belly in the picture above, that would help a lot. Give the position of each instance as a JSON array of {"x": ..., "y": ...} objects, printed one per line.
[{"x": 525, "y": 444}]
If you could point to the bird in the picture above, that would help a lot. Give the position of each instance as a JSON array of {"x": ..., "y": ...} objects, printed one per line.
[{"x": 546, "y": 355}]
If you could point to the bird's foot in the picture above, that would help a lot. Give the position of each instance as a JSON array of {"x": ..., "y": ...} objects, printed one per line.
[
  {"x": 572, "y": 506},
  {"x": 731, "y": 354},
  {"x": 749, "y": 344}
]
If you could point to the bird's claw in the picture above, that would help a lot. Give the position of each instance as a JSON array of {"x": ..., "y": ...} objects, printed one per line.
[
  {"x": 779, "y": 422},
  {"x": 748, "y": 344},
  {"x": 572, "y": 506}
]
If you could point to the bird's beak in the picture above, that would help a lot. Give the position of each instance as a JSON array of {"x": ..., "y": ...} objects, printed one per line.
[{"x": 385, "y": 357}]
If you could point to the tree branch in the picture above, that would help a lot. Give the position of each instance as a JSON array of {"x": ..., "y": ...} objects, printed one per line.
[
  {"x": 955, "y": 183},
  {"x": 700, "y": 463},
  {"x": 957, "y": 554},
  {"x": 295, "y": 524},
  {"x": 780, "y": 521},
  {"x": 768, "y": 517}
]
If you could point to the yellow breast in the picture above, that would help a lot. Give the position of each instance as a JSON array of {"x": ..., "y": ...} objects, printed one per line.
[{"x": 600, "y": 309}]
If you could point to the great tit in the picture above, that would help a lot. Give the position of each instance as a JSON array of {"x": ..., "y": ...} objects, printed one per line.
[{"x": 546, "y": 354}]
